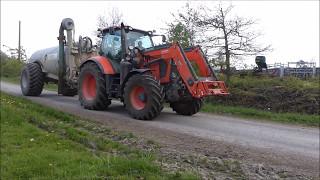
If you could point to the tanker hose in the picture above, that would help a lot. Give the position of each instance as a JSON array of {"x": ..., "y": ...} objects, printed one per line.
[{"x": 66, "y": 24}]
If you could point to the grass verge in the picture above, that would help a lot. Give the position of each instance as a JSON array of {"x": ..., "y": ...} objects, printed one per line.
[
  {"x": 42, "y": 143},
  {"x": 292, "y": 118},
  {"x": 16, "y": 80}
]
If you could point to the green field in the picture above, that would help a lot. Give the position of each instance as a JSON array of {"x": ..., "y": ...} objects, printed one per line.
[{"x": 42, "y": 143}]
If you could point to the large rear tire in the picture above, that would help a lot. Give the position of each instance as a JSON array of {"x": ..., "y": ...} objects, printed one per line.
[
  {"x": 187, "y": 108},
  {"x": 92, "y": 88},
  {"x": 143, "y": 97},
  {"x": 31, "y": 80}
]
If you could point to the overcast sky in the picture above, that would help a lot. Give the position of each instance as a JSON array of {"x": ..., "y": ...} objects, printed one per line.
[{"x": 291, "y": 27}]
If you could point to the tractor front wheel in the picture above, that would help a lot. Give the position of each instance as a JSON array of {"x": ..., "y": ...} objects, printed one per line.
[
  {"x": 143, "y": 97},
  {"x": 187, "y": 108},
  {"x": 92, "y": 88}
]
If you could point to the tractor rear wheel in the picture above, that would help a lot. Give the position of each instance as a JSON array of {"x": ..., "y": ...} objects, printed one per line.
[
  {"x": 187, "y": 108},
  {"x": 143, "y": 97},
  {"x": 92, "y": 88},
  {"x": 32, "y": 80}
]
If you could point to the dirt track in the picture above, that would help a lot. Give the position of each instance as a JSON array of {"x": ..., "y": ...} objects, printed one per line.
[{"x": 276, "y": 147}]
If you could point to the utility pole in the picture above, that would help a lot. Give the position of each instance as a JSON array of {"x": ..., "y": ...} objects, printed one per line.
[{"x": 19, "y": 45}]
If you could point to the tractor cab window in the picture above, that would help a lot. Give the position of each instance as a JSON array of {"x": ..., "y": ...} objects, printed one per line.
[
  {"x": 111, "y": 43},
  {"x": 139, "y": 40},
  {"x": 111, "y": 46}
]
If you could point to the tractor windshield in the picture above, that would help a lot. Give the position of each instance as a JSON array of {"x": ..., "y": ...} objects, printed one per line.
[
  {"x": 139, "y": 40},
  {"x": 111, "y": 43}
]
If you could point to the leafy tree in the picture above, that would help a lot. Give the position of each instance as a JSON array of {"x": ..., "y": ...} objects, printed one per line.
[
  {"x": 3, "y": 56},
  {"x": 183, "y": 29},
  {"x": 178, "y": 32}
]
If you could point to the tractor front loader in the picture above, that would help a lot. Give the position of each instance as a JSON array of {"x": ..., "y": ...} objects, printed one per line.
[{"x": 130, "y": 67}]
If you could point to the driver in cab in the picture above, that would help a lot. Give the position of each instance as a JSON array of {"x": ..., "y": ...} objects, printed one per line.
[{"x": 140, "y": 45}]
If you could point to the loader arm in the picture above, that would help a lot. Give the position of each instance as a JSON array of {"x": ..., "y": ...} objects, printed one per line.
[
  {"x": 198, "y": 87},
  {"x": 196, "y": 55}
]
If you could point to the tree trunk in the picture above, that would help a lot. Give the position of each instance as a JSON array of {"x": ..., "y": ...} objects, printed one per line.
[
  {"x": 228, "y": 73},
  {"x": 227, "y": 52},
  {"x": 226, "y": 46}
]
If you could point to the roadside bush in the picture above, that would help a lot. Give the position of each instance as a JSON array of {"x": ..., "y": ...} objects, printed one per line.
[
  {"x": 11, "y": 68},
  {"x": 289, "y": 94}
]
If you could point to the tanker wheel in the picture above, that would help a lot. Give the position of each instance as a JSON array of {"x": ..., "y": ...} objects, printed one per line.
[
  {"x": 92, "y": 88},
  {"x": 32, "y": 80},
  {"x": 143, "y": 97},
  {"x": 187, "y": 108}
]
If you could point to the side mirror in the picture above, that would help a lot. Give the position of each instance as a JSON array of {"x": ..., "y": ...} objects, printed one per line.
[{"x": 164, "y": 39}]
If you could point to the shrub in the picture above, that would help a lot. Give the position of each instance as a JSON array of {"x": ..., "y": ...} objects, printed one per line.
[
  {"x": 289, "y": 94},
  {"x": 11, "y": 68}
]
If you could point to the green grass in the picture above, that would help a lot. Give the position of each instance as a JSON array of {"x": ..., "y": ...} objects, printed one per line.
[
  {"x": 42, "y": 143},
  {"x": 288, "y": 94},
  {"x": 16, "y": 80},
  {"x": 292, "y": 118},
  {"x": 51, "y": 87},
  {"x": 248, "y": 82},
  {"x": 11, "y": 69}
]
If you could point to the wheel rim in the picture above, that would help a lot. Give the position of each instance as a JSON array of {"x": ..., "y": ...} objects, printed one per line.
[
  {"x": 24, "y": 80},
  {"x": 89, "y": 87},
  {"x": 138, "y": 98}
]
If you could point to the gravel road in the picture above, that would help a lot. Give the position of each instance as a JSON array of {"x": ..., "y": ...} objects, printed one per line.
[{"x": 297, "y": 145}]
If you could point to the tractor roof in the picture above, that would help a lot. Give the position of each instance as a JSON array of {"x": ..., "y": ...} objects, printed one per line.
[{"x": 115, "y": 28}]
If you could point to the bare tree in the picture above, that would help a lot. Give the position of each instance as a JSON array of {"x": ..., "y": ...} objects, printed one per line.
[
  {"x": 231, "y": 36},
  {"x": 113, "y": 18},
  {"x": 223, "y": 36},
  {"x": 14, "y": 53}
]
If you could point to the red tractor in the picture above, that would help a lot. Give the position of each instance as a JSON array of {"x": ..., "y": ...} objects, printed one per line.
[
  {"x": 127, "y": 66},
  {"x": 144, "y": 76}
]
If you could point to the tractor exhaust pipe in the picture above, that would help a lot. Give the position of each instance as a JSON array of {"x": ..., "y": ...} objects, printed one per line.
[
  {"x": 124, "y": 43},
  {"x": 68, "y": 25}
]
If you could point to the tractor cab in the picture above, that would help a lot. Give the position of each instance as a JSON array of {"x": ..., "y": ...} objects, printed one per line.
[{"x": 115, "y": 47}]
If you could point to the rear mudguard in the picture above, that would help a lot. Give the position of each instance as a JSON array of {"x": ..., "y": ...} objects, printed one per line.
[{"x": 103, "y": 63}]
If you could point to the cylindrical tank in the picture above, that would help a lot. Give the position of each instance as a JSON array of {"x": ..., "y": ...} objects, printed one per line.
[{"x": 48, "y": 58}]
